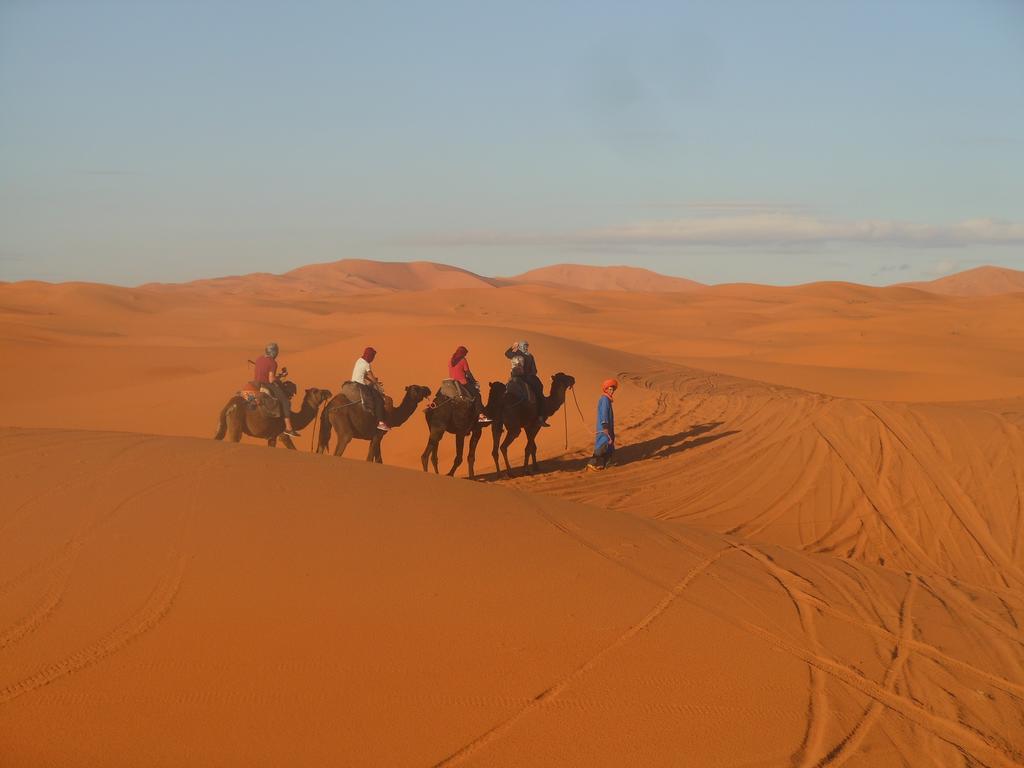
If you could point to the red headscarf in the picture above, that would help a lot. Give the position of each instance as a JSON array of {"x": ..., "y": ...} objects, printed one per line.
[
  {"x": 460, "y": 353},
  {"x": 607, "y": 384},
  {"x": 369, "y": 353}
]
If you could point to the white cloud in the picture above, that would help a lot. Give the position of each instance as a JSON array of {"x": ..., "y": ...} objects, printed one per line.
[
  {"x": 943, "y": 267},
  {"x": 746, "y": 225}
]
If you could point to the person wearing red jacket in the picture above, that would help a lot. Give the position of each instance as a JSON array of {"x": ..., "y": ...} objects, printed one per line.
[
  {"x": 265, "y": 375},
  {"x": 458, "y": 371}
]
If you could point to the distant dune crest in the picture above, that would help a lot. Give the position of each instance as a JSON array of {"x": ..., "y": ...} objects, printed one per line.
[
  {"x": 589, "y": 278},
  {"x": 355, "y": 276},
  {"x": 980, "y": 281}
]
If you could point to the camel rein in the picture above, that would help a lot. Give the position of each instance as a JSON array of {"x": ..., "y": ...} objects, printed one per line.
[
  {"x": 316, "y": 421},
  {"x": 566, "y": 416}
]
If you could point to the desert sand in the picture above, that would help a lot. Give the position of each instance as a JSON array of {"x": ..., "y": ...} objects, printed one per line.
[{"x": 809, "y": 553}]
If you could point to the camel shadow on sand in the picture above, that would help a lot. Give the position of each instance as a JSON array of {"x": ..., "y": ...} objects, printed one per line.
[{"x": 658, "y": 447}]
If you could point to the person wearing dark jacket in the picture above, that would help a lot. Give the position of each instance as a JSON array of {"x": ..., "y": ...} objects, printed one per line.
[{"x": 525, "y": 368}]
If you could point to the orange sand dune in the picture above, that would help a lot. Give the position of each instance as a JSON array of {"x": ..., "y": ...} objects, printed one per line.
[
  {"x": 810, "y": 553},
  {"x": 169, "y": 601},
  {"x": 584, "y": 277},
  {"x": 980, "y": 281},
  {"x": 343, "y": 277}
]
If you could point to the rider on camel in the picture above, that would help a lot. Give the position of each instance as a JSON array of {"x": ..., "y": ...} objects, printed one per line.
[
  {"x": 525, "y": 367},
  {"x": 370, "y": 385},
  {"x": 458, "y": 371},
  {"x": 265, "y": 376}
]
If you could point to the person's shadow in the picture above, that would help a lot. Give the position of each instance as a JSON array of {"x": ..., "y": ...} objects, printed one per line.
[
  {"x": 655, "y": 448},
  {"x": 666, "y": 445}
]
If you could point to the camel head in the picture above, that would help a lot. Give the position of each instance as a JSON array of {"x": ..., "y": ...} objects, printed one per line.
[
  {"x": 417, "y": 393},
  {"x": 316, "y": 397},
  {"x": 562, "y": 381},
  {"x": 289, "y": 388},
  {"x": 497, "y": 389}
]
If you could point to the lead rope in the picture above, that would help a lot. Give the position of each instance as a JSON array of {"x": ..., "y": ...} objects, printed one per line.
[
  {"x": 566, "y": 414},
  {"x": 312, "y": 441},
  {"x": 573, "y": 390}
]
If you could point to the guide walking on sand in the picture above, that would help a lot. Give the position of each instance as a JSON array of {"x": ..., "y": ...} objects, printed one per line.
[{"x": 604, "y": 440}]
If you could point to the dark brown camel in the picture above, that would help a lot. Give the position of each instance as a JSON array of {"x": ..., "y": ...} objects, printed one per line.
[
  {"x": 237, "y": 418},
  {"x": 351, "y": 420},
  {"x": 459, "y": 418},
  {"x": 518, "y": 414}
]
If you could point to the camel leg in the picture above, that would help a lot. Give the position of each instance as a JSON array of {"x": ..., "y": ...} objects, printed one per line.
[
  {"x": 471, "y": 458},
  {"x": 234, "y": 434},
  {"x": 513, "y": 433},
  {"x": 495, "y": 438},
  {"x": 222, "y": 425},
  {"x": 324, "y": 438},
  {"x": 374, "y": 453},
  {"x": 430, "y": 452},
  {"x": 343, "y": 440},
  {"x": 460, "y": 442},
  {"x": 531, "y": 449},
  {"x": 435, "y": 445}
]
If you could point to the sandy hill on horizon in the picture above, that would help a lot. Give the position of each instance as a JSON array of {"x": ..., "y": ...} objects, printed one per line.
[
  {"x": 345, "y": 277},
  {"x": 357, "y": 276},
  {"x": 593, "y": 278},
  {"x": 980, "y": 281}
]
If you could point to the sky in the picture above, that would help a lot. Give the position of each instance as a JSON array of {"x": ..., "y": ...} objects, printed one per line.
[{"x": 775, "y": 142}]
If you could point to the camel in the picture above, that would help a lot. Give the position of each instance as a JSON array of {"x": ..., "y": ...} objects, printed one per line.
[
  {"x": 459, "y": 418},
  {"x": 519, "y": 414},
  {"x": 237, "y": 418},
  {"x": 351, "y": 420}
]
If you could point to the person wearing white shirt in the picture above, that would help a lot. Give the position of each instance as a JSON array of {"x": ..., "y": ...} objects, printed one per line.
[{"x": 362, "y": 374}]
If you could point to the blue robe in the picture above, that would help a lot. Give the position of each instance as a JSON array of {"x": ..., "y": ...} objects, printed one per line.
[{"x": 605, "y": 420}]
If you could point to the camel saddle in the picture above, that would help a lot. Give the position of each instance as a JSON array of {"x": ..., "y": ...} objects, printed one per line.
[
  {"x": 453, "y": 390},
  {"x": 355, "y": 393},
  {"x": 518, "y": 390},
  {"x": 263, "y": 399}
]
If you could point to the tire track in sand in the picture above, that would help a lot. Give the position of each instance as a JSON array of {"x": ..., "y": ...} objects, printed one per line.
[
  {"x": 968, "y": 741},
  {"x": 42, "y": 610},
  {"x": 848, "y": 747},
  {"x": 812, "y": 749},
  {"x": 143, "y": 620},
  {"x": 152, "y": 612},
  {"x": 551, "y": 693}
]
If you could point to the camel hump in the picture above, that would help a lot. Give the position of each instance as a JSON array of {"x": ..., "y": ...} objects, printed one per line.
[
  {"x": 355, "y": 392},
  {"x": 352, "y": 391}
]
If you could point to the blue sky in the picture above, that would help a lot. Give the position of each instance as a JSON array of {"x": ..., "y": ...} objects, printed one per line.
[{"x": 764, "y": 141}]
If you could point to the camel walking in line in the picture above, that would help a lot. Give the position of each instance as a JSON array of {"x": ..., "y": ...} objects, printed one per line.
[
  {"x": 237, "y": 418},
  {"x": 346, "y": 415},
  {"x": 458, "y": 417},
  {"x": 520, "y": 414}
]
